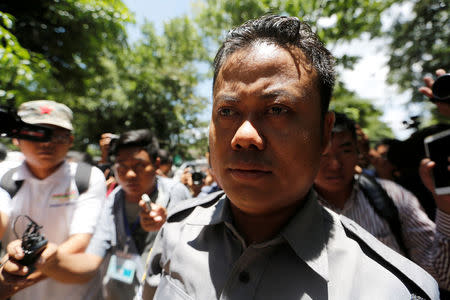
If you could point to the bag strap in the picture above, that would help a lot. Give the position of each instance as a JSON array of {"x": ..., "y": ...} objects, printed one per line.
[
  {"x": 384, "y": 206},
  {"x": 402, "y": 268},
  {"x": 8, "y": 184},
  {"x": 82, "y": 177}
]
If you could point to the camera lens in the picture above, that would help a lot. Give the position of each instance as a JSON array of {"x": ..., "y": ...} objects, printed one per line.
[{"x": 441, "y": 88}]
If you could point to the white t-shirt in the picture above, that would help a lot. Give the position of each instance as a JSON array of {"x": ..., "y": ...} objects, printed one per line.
[
  {"x": 55, "y": 204},
  {"x": 5, "y": 202}
]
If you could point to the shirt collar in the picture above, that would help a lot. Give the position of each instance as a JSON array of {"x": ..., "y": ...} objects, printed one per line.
[
  {"x": 348, "y": 204},
  {"x": 305, "y": 232},
  {"x": 219, "y": 212}
]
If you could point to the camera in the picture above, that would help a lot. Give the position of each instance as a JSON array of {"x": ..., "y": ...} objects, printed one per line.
[
  {"x": 197, "y": 177},
  {"x": 33, "y": 242},
  {"x": 13, "y": 127},
  {"x": 441, "y": 89}
]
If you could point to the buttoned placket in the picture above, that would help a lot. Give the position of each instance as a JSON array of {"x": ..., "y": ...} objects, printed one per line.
[{"x": 243, "y": 281}]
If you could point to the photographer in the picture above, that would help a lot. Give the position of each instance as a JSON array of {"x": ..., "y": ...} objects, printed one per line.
[
  {"x": 443, "y": 105},
  {"x": 64, "y": 198},
  {"x": 128, "y": 226},
  {"x": 400, "y": 222},
  {"x": 194, "y": 180},
  {"x": 106, "y": 139}
]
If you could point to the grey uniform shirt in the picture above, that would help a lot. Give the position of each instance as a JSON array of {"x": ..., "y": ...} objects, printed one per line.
[
  {"x": 199, "y": 254},
  {"x": 111, "y": 235},
  {"x": 427, "y": 243}
]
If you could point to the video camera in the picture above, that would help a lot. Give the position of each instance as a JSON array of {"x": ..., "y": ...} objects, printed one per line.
[
  {"x": 13, "y": 127},
  {"x": 441, "y": 89}
]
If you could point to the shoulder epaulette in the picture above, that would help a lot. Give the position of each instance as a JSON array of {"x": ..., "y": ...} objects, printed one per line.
[
  {"x": 417, "y": 281},
  {"x": 189, "y": 204}
]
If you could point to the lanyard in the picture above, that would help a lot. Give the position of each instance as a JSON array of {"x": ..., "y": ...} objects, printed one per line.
[{"x": 129, "y": 230}]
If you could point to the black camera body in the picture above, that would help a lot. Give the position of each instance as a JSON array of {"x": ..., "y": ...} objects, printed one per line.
[
  {"x": 13, "y": 127},
  {"x": 33, "y": 242},
  {"x": 197, "y": 177},
  {"x": 441, "y": 89}
]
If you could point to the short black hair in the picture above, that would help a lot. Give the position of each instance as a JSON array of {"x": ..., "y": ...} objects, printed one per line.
[
  {"x": 342, "y": 123},
  {"x": 282, "y": 31},
  {"x": 165, "y": 157},
  {"x": 385, "y": 141},
  {"x": 142, "y": 138}
]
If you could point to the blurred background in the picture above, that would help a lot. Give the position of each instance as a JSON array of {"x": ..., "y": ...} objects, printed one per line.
[{"x": 130, "y": 64}]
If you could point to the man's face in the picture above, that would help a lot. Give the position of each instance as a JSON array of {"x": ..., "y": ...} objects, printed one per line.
[
  {"x": 135, "y": 171},
  {"x": 47, "y": 155},
  {"x": 385, "y": 169},
  {"x": 337, "y": 166},
  {"x": 265, "y": 135}
]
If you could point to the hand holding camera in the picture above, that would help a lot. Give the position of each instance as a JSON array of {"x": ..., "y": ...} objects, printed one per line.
[
  {"x": 438, "y": 91},
  {"x": 152, "y": 216}
]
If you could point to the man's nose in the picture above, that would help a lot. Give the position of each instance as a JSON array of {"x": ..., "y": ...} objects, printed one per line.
[
  {"x": 333, "y": 161},
  {"x": 248, "y": 137},
  {"x": 130, "y": 173}
]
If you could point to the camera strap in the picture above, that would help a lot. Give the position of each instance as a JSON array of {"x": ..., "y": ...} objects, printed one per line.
[
  {"x": 82, "y": 177},
  {"x": 384, "y": 206}
]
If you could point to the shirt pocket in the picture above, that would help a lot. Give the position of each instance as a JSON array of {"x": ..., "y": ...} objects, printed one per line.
[{"x": 169, "y": 290}]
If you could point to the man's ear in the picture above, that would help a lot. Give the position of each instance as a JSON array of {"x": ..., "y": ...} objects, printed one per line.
[
  {"x": 71, "y": 140},
  {"x": 328, "y": 124},
  {"x": 157, "y": 163},
  {"x": 15, "y": 142}
]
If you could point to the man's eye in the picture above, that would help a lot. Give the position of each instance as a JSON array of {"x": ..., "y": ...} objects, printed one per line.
[
  {"x": 277, "y": 110},
  {"x": 226, "y": 112}
]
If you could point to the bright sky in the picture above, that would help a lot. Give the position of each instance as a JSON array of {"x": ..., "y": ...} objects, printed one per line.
[{"x": 367, "y": 79}]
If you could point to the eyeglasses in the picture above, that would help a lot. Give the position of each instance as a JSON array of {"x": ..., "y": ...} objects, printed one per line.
[
  {"x": 60, "y": 138},
  {"x": 122, "y": 170}
]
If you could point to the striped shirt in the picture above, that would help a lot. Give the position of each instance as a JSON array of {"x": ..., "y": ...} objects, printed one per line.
[{"x": 428, "y": 243}]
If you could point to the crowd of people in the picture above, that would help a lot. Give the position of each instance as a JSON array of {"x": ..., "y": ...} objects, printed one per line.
[{"x": 295, "y": 204}]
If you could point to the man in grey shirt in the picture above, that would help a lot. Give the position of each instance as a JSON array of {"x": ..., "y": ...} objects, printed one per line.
[
  {"x": 266, "y": 236},
  {"x": 128, "y": 226}
]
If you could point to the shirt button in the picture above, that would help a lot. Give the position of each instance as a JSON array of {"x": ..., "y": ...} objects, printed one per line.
[{"x": 244, "y": 277}]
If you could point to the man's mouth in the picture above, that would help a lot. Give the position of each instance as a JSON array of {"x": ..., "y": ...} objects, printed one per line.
[
  {"x": 46, "y": 152},
  {"x": 334, "y": 178},
  {"x": 249, "y": 171}
]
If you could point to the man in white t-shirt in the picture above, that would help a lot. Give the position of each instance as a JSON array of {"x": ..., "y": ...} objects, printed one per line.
[{"x": 50, "y": 195}]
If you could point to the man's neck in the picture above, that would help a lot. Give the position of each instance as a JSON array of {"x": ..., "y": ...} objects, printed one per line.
[
  {"x": 43, "y": 173},
  {"x": 260, "y": 228},
  {"x": 336, "y": 198}
]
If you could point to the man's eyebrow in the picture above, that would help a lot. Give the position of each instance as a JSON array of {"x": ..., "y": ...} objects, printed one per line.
[
  {"x": 274, "y": 93},
  {"x": 225, "y": 98}
]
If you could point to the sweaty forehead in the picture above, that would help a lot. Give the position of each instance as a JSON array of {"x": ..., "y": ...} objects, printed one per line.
[{"x": 265, "y": 60}]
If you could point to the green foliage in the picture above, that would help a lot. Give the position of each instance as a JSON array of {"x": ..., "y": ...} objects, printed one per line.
[
  {"x": 420, "y": 44},
  {"x": 150, "y": 86},
  {"x": 57, "y": 44},
  {"x": 18, "y": 67},
  {"x": 75, "y": 52},
  {"x": 362, "y": 112},
  {"x": 335, "y": 21}
]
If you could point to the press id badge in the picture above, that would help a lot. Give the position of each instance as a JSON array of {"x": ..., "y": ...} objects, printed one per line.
[{"x": 122, "y": 267}]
